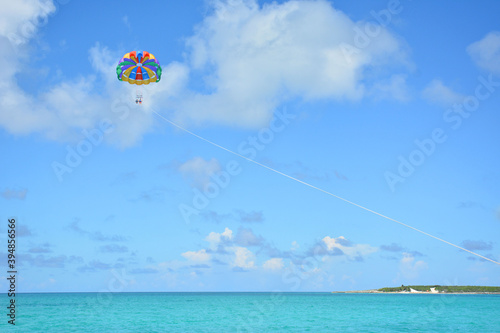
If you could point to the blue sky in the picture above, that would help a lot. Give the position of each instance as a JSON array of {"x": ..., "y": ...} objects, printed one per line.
[{"x": 391, "y": 105}]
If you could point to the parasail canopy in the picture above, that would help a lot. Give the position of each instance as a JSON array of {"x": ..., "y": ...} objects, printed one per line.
[{"x": 138, "y": 68}]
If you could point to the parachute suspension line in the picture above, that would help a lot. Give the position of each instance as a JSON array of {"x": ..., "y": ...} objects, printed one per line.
[{"x": 322, "y": 190}]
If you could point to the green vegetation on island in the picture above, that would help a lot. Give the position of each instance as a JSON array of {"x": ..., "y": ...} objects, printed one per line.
[{"x": 443, "y": 289}]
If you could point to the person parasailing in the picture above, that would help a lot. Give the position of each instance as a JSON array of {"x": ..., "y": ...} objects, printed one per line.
[{"x": 138, "y": 67}]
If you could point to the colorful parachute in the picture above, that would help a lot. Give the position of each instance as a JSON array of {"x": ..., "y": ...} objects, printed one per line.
[{"x": 138, "y": 68}]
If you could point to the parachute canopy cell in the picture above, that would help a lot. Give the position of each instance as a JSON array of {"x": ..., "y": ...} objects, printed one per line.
[{"x": 138, "y": 68}]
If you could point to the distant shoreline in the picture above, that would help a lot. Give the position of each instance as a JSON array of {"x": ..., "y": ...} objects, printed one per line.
[
  {"x": 430, "y": 289},
  {"x": 375, "y": 291}
]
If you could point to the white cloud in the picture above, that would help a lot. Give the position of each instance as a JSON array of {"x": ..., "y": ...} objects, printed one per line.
[
  {"x": 222, "y": 249},
  {"x": 215, "y": 238},
  {"x": 126, "y": 21},
  {"x": 410, "y": 268},
  {"x": 274, "y": 264},
  {"x": 486, "y": 52},
  {"x": 244, "y": 258},
  {"x": 254, "y": 58},
  {"x": 199, "y": 170},
  {"x": 198, "y": 256},
  {"x": 436, "y": 92},
  {"x": 62, "y": 111},
  {"x": 246, "y": 237},
  {"x": 334, "y": 242},
  {"x": 393, "y": 88},
  {"x": 14, "y": 194},
  {"x": 352, "y": 251},
  {"x": 20, "y": 19}
]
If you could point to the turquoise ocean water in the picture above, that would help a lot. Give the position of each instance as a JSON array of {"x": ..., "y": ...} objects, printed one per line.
[{"x": 252, "y": 312}]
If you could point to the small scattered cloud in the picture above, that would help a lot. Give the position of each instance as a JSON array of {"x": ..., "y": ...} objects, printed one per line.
[
  {"x": 152, "y": 195},
  {"x": 14, "y": 194},
  {"x": 228, "y": 249},
  {"x": 415, "y": 253},
  {"x": 215, "y": 238},
  {"x": 244, "y": 258},
  {"x": 340, "y": 245},
  {"x": 75, "y": 227},
  {"x": 212, "y": 216},
  {"x": 411, "y": 268},
  {"x": 320, "y": 249},
  {"x": 241, "y": 250},
  {"x": 393, "y": 88},
  {"x": 250, "y": 217},
  {"x": 23, "y": 231},
  {"x": 340, "y": 176},
  {"x": 399, "y": 249},
  {"x": 199, "y": 256},
  {"x": 113, "y": 248},
  {"x": 437, "y": 93},
  {"x": 199, "y": 171},
  {"x": 246, "y": 237},
  {"x": 273, "y": 264},
  {"x": 476, "y": 258},
  {"x": 44, "y": 248},
  {"x": 303, "y": 172},
  {"x": 477, "y": 245},
  {"x": 126, "y": 21},
  {"x": 94, "y": 266},
  {"x": 41, "y": 260},
  {"x": 96, "y": 235},
  {"x": 238, "y": 215},
  {"x": 470, "y": 204},
  {"x": 392, "y": 247},
  {"x": 486, "y": 52}
]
